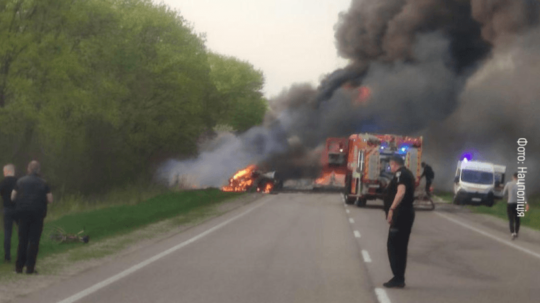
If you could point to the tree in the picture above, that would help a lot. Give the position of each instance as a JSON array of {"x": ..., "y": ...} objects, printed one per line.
[
  {"x": 100, "y": 90},
  {"x": 239, "y": 87}
]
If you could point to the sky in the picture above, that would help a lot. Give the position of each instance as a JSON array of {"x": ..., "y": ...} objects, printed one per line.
[{"x": 289, "y": 41}]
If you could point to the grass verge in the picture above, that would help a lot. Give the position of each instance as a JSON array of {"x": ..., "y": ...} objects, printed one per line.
[
  {"x": 531, "y": 219},
  {"x": 445, "y": 196},
  {"x": 129, "y": 195},
  {"x": 118, "y": 220}
]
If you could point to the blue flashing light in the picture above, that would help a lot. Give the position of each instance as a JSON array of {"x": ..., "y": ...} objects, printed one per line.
[{"x": 403, "y": 149}]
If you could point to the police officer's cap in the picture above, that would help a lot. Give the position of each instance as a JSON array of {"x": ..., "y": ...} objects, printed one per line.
[{"x": 397, "y": 159}]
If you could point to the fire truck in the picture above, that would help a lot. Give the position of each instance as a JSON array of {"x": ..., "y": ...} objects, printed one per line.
[
  {"x": 334, "y": 165},
  {"x": 368, "y": 164}
]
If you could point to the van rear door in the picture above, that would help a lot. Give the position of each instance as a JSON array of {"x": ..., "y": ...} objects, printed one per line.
[{"x": 499, "y": 174}]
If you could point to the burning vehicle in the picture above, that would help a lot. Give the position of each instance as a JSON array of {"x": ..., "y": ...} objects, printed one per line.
[
  {"x": 252, "y": 179},
  {"x": 334, "y": 165}
]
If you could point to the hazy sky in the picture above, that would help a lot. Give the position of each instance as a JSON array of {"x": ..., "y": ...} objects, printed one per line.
[{"x": 288, "y": 40}]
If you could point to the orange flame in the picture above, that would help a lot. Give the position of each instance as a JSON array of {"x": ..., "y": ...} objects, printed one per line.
[
  {"x": 331, "y": 179},
  {"x": 325, "y": 179},
  {"x": 268, "y": 188},
  {"x": 360, "y": 95},
  {"x": 364, "y": 93},
  {"x": 242, "y": 180}
]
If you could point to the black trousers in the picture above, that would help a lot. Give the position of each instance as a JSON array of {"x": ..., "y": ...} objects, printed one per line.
[
  {"x": 30, "y": 228},
  {"x": 428, "y": 186},
  {"x": 513, "y": 218},
  {"x": 398, "y": 241},
  {"x": 9, "y": 219}
]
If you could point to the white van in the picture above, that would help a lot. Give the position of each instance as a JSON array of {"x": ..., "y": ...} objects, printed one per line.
[{"x": 478, "y": 182}]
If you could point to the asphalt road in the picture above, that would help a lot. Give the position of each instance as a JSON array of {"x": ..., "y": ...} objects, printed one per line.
[{"x": 313, "y": 248}]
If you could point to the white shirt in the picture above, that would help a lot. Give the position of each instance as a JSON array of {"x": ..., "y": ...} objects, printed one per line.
[{"x": 512, "y": 189}]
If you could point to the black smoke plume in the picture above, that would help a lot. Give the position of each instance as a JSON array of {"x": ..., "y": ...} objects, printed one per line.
[{"x": 433, "y": 68}]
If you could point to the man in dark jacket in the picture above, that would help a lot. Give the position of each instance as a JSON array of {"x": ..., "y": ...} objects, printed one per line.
[
  {"x": 31, "y": 195},
  {"x": 6, "y": 187},
  {"x": 430, "y": 175}
]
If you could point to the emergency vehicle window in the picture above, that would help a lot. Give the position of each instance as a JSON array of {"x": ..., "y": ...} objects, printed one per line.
[
  {"x": 477, "y": 177},
  {"x": 336, "y": 159}
]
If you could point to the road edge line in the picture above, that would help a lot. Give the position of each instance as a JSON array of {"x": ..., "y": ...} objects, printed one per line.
[
  {"x": 153, "y": 259},
  {"x": 382, "y": 296},
  {"x": 530, "y": 252}
]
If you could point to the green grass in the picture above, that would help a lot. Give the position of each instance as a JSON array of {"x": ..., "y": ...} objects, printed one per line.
[
  {"x": 73, "y": 203},
  {"x": 446, "y": 196},
  {"x": 531, "y": 219},
  {"x": 117, "y": 220}
]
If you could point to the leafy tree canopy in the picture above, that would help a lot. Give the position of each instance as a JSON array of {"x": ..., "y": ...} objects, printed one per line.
[{"x": 100, "y": 91}]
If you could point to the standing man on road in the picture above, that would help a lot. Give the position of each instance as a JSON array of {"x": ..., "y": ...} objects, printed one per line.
[
  {"x": 6, "y": 187},
  {"x": 430, "y": 175},
  {"x": 31, "y": 195},
  {"x": 511, "y": 209},
  {"x": 400, "y": 216}
]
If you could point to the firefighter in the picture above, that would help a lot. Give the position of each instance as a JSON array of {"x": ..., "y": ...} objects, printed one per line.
[
  {"x": 430, "y": 175},
  {"x": 400, "y": 216}
]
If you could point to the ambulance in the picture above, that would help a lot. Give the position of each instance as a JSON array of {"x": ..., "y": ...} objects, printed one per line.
[{"x": 478, "y": 183}]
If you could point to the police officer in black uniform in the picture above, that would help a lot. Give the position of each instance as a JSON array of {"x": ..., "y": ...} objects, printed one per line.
[
  {"x": 31, "y": 195},
  {"x": 398, "y": 206}
]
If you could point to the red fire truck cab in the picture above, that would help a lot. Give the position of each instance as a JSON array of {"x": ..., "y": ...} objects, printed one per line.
[{"x": 368, "y": 169}]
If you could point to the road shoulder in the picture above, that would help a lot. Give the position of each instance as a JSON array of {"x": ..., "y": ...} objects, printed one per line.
[{"x": 59, "y": 267}]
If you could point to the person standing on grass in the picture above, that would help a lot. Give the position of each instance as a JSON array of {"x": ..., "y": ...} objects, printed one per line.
[
  {"x": 511, "y": 209},
  {"x": 31, "y": 195},
  {"x": 6, "y": 187}
]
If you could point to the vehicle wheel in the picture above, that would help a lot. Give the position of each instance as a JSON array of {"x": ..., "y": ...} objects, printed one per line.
[
  {"x": 361, "y": 202},
  {"x": 490, "y": 203},
  {"x": 431, "y": 205},
  {"x": 348, "y": 200},
  {"x": 457, "y": 201}
]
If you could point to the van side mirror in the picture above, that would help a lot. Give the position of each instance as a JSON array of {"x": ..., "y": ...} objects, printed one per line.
[{"x": 456, "y": 179}]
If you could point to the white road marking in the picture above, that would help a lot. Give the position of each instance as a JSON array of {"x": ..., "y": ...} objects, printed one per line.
[
  {"x": 357, "y": 234},
  {"x": 530, "y": 252},
  {"x": 134, "y": 268},
  {"x": 348, "y": 211},
  {"x": 351, "y": 220},
  {"x": 382, "y": 296},
  {"x": 366, "y": 256}
]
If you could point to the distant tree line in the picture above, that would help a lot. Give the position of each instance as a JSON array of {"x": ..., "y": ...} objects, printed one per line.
[{"x": 101, "y": 91}]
